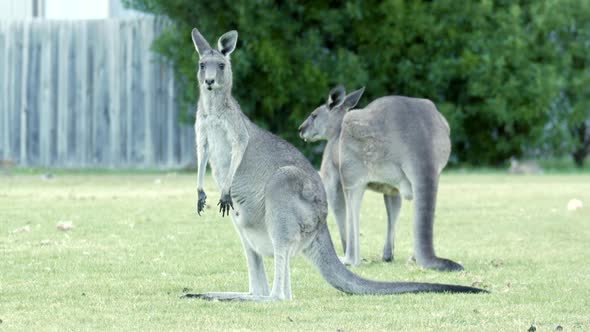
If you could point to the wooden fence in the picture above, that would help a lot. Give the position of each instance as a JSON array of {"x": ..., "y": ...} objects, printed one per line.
[{"x": 89, "y": 94}]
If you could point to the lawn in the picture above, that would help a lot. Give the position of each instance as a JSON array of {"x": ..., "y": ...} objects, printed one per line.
[{"x": 137, "y": 244}]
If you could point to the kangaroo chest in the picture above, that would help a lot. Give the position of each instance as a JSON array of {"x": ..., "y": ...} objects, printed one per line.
[{"x": 219, "y": 146}]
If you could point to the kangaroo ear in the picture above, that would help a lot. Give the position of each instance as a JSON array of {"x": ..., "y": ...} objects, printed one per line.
[
  {"x": 227, "y": 42},
  {"x": 336, "y": 96},
  {"x": 201, "y": 45},
  {"x": 353, "y": 98}
]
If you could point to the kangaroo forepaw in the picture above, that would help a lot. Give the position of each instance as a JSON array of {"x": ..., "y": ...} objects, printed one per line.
[
  {"x": 225, "y": 204},
  {"x": 388, "y": 257},
  {"x": 201, "y": 201}
]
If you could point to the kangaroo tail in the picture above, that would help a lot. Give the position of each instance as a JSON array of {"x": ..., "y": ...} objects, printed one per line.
[{"x": 322, "y": 254}]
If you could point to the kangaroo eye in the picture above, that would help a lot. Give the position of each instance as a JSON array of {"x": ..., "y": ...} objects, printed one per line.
[
  {"x": 313, "y": 116},
  {"x": 221, "y": 66},
  {"x": 202, "y": 66}
]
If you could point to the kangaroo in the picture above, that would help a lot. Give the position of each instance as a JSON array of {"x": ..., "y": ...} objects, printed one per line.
[
  {"x": 524, "y": 167},
  {"x": 397, "y": 146},
  {"x": 273, "y": 195}
]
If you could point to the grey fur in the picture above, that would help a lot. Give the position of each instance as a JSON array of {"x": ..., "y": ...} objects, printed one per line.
[
  {"x": 274, "y": 196},
  {"x": 397, "y": 146}
]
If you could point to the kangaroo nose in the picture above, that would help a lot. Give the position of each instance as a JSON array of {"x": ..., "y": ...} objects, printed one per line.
[{"x": 210, "y": 82}]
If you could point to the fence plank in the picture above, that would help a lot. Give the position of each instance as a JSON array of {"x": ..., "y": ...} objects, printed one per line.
[
  {"x": 3, "y": 87},
  {"x": 82, "y": 94},
  {"x": 7, "y": 98},
  {"x": 89, "y": 94},
  {"x": 45, "y": 109},
  {"x": 146, "y": 34},
  {"x": 23, "y": 85},
  {"x": 62, "y": 92}
]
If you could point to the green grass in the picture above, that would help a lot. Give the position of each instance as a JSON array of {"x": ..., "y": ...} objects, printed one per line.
[{"x": 138, "y": 243}]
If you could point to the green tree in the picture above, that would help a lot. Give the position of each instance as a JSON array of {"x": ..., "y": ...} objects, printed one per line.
[
  {"x": 473, "y": 60},
  {"x": 564, "y": 29},
  {"x": 478, "y": 61}
]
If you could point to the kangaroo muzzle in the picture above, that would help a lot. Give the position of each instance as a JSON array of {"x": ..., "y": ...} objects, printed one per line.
[{"x": 302, "y": 131}]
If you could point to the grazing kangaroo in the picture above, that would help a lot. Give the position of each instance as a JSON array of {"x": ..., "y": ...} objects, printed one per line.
[
  {"x": 524, "y": 167},
  {"x": 395, "y": 146},
  {"x": 274, "y": 196}
]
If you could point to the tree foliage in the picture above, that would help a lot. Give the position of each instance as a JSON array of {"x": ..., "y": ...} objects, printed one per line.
[
  {"x": 564, "y": 27},
  {"x": 497, "y": 69}
]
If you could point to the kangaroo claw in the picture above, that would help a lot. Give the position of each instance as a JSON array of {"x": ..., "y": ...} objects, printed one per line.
[
  {"x": 201, "y": 201},
  {"x": 225, "y": 204}
]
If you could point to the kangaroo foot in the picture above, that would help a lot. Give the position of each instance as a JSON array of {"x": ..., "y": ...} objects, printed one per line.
[
  {"x": 349, "y": 261},
  {"x": 387, "y": 257},
  {"x": 387, "y": 254},
  {"x": 230, "y": 297},
  {"x": 440, "y": 264}
]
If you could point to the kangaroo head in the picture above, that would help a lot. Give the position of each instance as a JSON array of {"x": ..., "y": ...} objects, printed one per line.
[
  {"x": 324, "y": 122},
  {"x": 214, "y": 71}
]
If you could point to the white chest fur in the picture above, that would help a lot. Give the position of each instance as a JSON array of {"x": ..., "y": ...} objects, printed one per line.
[
  {"x": 219, "y": 148},
  {"x": 215, "y": 123}
]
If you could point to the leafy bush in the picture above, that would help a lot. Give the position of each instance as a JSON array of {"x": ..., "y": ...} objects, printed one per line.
[
  {"x": 496, "y": 69},
  {"x": 564, "y": 26}
]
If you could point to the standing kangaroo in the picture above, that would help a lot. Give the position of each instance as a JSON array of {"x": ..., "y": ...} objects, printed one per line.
[
  {"x": 274, "y": 196},
  {"x": 394, "y": 145}
]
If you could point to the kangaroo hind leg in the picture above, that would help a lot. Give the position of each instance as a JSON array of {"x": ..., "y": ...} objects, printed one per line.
[
  {"x": 293, "y": 207},
  {"x": 337, "y": 203},
  {"x": 393, "y": 205},
  {"x": 258, "y": 288},
  {"x": 354, "y": 198}
]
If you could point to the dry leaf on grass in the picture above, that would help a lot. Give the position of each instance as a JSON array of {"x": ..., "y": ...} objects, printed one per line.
[
  {"x": 65, "y": 226},
  {"x": 46, "y": 176},
  {"x": 574, "y": 204},
  {"x": 24, "y": 229}
]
